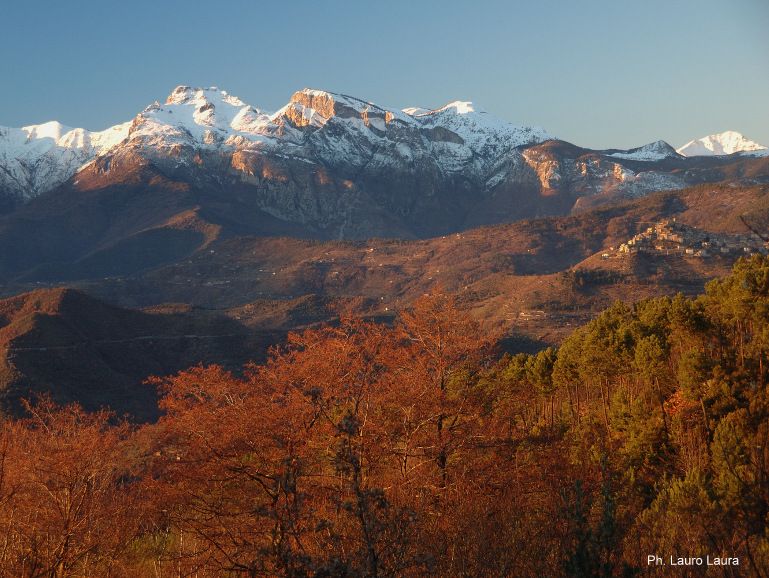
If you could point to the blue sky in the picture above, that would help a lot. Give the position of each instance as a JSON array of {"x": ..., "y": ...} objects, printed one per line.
[{"x": 599, "y": 73}]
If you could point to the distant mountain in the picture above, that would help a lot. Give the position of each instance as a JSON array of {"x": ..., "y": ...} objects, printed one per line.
[
  {"x": 656, "y": 151},
  {"x": 724, "y": 143}
]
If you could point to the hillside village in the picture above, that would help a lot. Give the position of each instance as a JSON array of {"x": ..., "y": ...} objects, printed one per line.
[{"x": 671, "y": 237}]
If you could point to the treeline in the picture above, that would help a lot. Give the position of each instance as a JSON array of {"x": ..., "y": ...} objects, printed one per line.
[
  {"x": 587, "y": 278},
  {"x": 361, "y": 449}
]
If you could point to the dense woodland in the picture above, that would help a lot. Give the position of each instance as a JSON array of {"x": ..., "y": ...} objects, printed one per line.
[{"x": 416, "y": 449}]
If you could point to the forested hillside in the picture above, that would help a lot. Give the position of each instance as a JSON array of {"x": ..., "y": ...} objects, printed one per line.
[{"x": 415, "y": 449}]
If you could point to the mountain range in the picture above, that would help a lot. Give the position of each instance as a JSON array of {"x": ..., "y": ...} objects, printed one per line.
[{"x": 322, "y": 153}]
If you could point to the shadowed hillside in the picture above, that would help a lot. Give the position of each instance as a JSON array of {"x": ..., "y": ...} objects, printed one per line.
[{"x": 78, "y": 348}]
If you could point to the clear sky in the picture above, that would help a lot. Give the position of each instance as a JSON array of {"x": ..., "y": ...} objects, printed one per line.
[{"x": 599, "y": 73}]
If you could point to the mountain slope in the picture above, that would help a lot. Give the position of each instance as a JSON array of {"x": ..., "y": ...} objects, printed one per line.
[
  {"x": 497, "y": 261},
  {"x": 534, "y": 280},
  {"x": 77, "y": 348}
]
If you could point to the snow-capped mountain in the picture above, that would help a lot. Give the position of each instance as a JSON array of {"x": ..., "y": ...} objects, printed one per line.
[
  {"x": 724, "y": 143},
  {"x": 36, "y": 158},
  {"x": 333, "y": 129}
]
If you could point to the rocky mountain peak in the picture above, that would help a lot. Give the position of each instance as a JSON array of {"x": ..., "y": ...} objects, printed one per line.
[
  {"x": 315, "y": 107},
  {"x": 202, "y": 96},
  {"x": 318, "y": 100}
]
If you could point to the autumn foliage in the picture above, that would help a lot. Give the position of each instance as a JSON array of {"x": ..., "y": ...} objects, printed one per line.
[{"x": 416, "y": 449}]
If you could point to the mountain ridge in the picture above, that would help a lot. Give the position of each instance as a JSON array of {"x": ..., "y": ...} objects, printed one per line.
[{"x": 210, "y": 117}]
